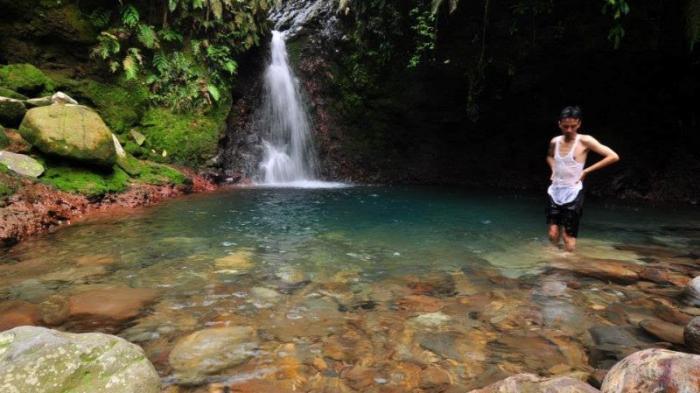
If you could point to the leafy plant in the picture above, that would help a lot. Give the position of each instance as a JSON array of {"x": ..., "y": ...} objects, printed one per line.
[
  {"x": 425, "y": 29},
  {"x": 185, "y": 50}
]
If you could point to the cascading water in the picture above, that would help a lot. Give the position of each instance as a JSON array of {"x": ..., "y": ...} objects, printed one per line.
[{"x": 289, "y": 158}]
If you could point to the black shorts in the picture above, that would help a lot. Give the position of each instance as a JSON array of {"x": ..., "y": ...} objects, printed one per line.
[{"x": 567, "y": 215}]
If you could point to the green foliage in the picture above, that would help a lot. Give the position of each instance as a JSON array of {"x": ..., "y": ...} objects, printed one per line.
[
  {"x": 618, "y": 9},
  {"x": 693, "y": 22},
  {"x": 186, "y": 138},
  {"x": 159, "y": 174},
  {"x": 425, "y": 29},
  {"x": 25, "y": 79},
  {"x": 84, "y": 180},
  {"x": 184, "y": 49},
  {"x": 11, "y": 94}
]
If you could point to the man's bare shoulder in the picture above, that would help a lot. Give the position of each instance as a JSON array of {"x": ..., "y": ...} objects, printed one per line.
[
  {"x": 553, "y": 140},
  {"x": 587, "y": 139}
]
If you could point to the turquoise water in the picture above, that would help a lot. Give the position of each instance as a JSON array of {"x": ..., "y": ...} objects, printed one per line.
[{"x": 321, "y": 252}]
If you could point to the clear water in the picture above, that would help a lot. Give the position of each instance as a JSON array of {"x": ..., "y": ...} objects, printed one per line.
[{"x": 341, "y": 254}]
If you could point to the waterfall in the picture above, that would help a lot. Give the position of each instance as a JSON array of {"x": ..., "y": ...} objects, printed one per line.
[{"x": 289, "y": 157}]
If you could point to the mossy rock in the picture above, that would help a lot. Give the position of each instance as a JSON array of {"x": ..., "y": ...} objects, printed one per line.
[
  {"x": 121, "y": 104},
  {"x": 4, "y": 139},
  {"x": 11, "y": 111},
  {"x": 71, "y": 131},
  {"x": 187, "y": 138},
  {"x": 4, "y": 92},
  {"x": 9, "y": 183},
  {"x": 85, "y": 180},
  {"x": 159, "y": 174},
  {"x": 25, "y": 79}
]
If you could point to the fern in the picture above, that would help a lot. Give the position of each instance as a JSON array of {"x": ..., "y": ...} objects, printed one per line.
[
  {"x": 130, "y": 16},
  {"x": 147, "y": 36},
  {"x": 131, "y": 67},
  {"x": 214, "y": 92}
]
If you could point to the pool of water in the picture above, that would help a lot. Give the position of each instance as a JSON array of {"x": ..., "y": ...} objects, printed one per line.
[{"x": 345, "y": 275}]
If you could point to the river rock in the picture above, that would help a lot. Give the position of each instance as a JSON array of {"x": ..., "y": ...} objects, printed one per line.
[
  {"x": 109, "y": 306},
  {"x": 530, "y": 383},
  {"x": 240, "y": 260},
  {"x": 40, "y": 360},
  {"x": 431, "y": 319},
  {"x": 17, "y": 313},
  {"x": 21, "y": 164},
  {"x": 37, "y": 102},
  {"x": 602, "y": 269},
  {"x": 11, "y": 111},
  {"x": 691, "y": 335},
  {"x": 208, "y": 351},
  {"x": 71, "y": 131},
  {"x": 691, "y": 295},
  {"x": 61, "y": 98},
  {"x": 654, "y": 370},
  {"x": 666, "y": 331}
]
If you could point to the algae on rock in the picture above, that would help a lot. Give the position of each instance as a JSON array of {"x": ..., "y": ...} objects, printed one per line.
[{"x": 25, "y": 79}]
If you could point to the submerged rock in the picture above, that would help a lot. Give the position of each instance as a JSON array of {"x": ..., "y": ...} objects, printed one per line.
[
  {"x": 654, "y": 370},
  {"x": 603, "y": 269},
  {"x": 664, "y": 330},
  {"x": 211, "y": 350},
  {"x": 21, "y": 164},
  {"x": 691, "y": 335},
  {"x": 691, "y": 295},
  {"x": 17, "y": 313},
  {"x": 38, "y": 360},
  {"x": 109, "y": 306},
  {"x": 530, "y": 383},
  {"x": 71, "y": 131}
]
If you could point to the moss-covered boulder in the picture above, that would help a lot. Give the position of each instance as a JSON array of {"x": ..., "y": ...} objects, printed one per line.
[
  {"x": 84, "y": 180},
  {"x": 21, "y": 164},
  {"x": 11, "y": 111},
  {"x": 186, "y": 138},
  {"x": 35, "y": 359},
  {"x": 72, "y": 131},
  {"x": 4, "y": 92},
  {"x": 25, "y": 79}
]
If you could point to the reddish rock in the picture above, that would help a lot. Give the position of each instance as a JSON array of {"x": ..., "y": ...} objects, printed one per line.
[
  {"x": 18, "y": 313},
  {"x": 654, "y": 370},
  {"x": 603, "y": 269},
  {"x": 529, "y": 383},
  {"x": 435, "y": 379},
  {"x": 665, "y": 331},
  {"x": 110, "y": 306},
  {"x": 359, "y": 378},
  {"x": 420, "y": 303},
  {"x": 663, "y": 276}
]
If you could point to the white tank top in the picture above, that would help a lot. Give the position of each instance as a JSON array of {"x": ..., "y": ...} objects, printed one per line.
[{"x": 567, "y": 172}]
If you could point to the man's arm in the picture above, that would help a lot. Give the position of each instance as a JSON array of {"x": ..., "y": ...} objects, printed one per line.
[
  {"x": 609, "y": 156},
  {"x": 550, "y": 156}
]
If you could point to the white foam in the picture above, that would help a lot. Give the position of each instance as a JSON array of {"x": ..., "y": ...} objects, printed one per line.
[{"x": 317, "y": 184}]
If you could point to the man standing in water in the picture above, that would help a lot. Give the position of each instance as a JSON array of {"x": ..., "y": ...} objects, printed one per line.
[{"x": 567, "y": 157}]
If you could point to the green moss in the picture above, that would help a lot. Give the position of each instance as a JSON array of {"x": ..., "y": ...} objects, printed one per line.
[
  {"x": 85, "y": 180},
  {"x": 11, "y": 94},
  {"x": 153, "y": 173},
  {"x": 121, "y": 104},
  {"x": 187, "y": 138},
  {"x": 25, "y": 79},
  {"x": 4, "y": 140},
  {"x": 8, "y": 182}
]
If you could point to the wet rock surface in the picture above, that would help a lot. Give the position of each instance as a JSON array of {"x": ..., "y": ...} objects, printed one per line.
[
  {"x": 34, "y": 359},
  {"x": 654, "y": 370}
]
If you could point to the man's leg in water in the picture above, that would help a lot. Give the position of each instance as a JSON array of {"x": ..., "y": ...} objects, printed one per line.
[
  {"x": 569, "y": 242},
  {"x": 554, "y": 234}
]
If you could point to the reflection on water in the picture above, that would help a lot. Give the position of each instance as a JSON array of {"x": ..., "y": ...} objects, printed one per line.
[{"x": 352, "y": 286}]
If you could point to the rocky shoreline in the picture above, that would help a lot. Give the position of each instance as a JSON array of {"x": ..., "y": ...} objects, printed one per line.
[{"x": 37, "y": 208}]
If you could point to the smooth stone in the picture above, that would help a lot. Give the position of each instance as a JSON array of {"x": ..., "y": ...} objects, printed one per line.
[
  {"x": 530, "y": 383},
  {"x": 662, "y": 276},
  {"x": 666, "y": 331},
  {"x": 432, "y": 319},
  {"x": 654, "y": 370},
  {"x": 291, "y": 276},
  {"x": 110, "y": 305},
  {"x": 55, "y": 310},
  {"x": 267, "y": 296},
  {"x": 602, "y": 269},
  {"x": 691, "y": 335},
  {"x": 691, "y": 294},
  {"x": 74, "y": 274},
  {"x": 208, "y": 351},
  {"x": 37, "y": 102},
  {"x": 21, "y": 164},
  {"x": 17, "y": 313},
  {"x": 40, "y": 360},
  {"x": 61, "y": 98},
  {"x": 237, "y": 260},
  {"x": 616, "y": 340}
]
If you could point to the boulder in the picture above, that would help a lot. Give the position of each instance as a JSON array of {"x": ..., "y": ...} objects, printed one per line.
[
  {"x": 11, "y": 111},
  {"x": 530, "y": 383},
  {"x": 208, "y": 351},
  {"x": 691, "y": 295},
  {"x": 691, "y": 335},
  {"x": 71, "y": 131},
  {"x": 654, "y": 370},
  {"x": 666, "y": 331},
  {"x": 40, "y": 360},
  {"x": 22, "y": 164},
  {"x": 24, "y": 78}
]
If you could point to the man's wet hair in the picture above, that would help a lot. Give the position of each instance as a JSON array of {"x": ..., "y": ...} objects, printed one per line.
[{"x": 571, "y": 112}]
